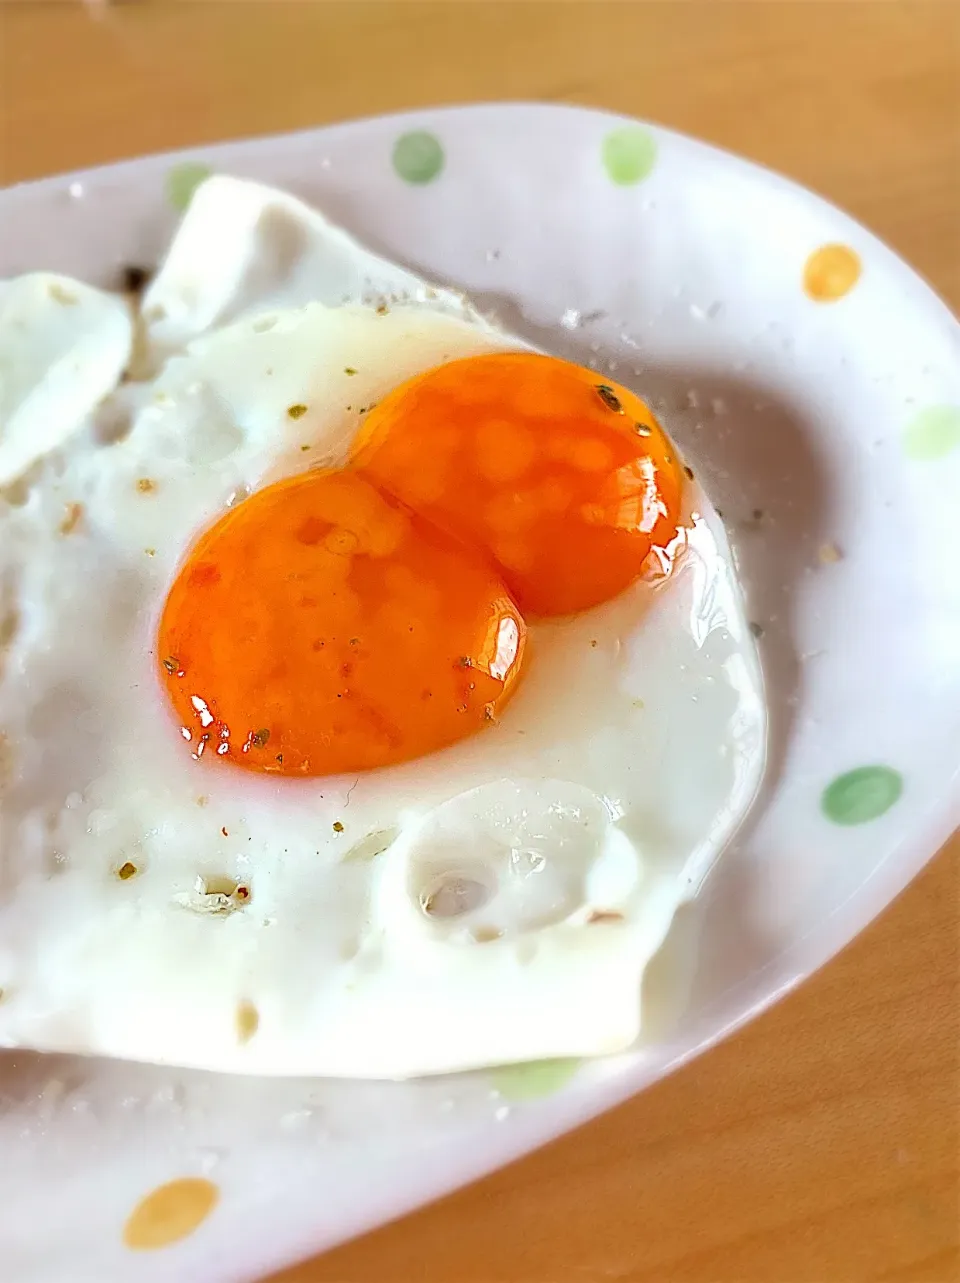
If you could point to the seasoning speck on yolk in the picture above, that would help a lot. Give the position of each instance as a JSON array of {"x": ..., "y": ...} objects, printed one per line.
[
  {"x": 566, "y": 482},
  {"x": 308, "y": 621}
]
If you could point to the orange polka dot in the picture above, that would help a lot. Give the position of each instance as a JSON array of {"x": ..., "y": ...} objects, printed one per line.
[
  {"x": 170, "y": 1212},
  {"x": 831, "y": 272}
]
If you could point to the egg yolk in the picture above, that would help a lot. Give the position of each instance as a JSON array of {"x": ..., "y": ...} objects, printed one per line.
[
  {"x": 321, "y": 627},
  {"x": 566, "y": 480}
]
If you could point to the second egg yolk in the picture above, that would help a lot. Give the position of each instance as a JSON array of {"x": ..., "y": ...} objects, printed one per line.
[
  {"x": 566, "y": 480},
  {"x": 322, "y": 627}
]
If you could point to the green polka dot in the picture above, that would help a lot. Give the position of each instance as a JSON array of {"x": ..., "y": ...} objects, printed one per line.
[
  {"x": 933, "y": 433},
  {"x": 629, "y": 154},
  {"x": 183, "y": 180},
  {"x": 534, "y": 1079},
  {"x": 418, "y": 156},
  {"x": 861, "y": 795}
]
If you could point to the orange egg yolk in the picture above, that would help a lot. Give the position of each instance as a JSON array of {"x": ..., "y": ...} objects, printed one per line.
[
  {"x": 566, "y": 480},
  {"x": 322, "y": 627},
  {"x": 339, "y": 621}
]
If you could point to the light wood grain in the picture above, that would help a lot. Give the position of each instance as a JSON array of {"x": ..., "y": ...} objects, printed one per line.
[{"x": 821, "y": 1144}]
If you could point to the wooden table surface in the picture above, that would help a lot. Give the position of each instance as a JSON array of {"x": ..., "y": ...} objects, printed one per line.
[{"x": 821, "y": 1144}]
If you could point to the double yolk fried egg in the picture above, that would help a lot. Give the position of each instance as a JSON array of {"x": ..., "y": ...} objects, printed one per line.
[{"x": 373, "y": 689}]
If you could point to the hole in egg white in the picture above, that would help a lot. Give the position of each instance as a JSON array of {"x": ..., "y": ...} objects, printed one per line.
[
  {"x": 509, "y": 891},
  {"x": 508, "y": 859},
  {"x": 453, "y": 895},
  {"x": 216, "y": 894},
  {"x": 217, "y": 884}
]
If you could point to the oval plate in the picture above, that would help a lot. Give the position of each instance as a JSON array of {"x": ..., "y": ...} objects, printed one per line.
[{"x": 814, "y": 379}]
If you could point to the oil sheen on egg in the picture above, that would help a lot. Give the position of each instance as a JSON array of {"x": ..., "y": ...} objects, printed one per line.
[{"x": 495, "y": 901}]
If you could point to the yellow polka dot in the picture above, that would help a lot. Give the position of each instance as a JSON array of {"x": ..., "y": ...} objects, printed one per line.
[
  {"x": 830, "y": 272},
  {"x": 170, "y": 1212}
]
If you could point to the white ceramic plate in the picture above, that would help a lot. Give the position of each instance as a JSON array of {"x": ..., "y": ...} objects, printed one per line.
[{"x": 816, "y": 380}]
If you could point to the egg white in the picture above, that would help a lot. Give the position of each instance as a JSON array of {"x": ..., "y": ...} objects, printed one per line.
[
  {"x": 278, "y": 926},
  {"x": 64, "y": 347}
]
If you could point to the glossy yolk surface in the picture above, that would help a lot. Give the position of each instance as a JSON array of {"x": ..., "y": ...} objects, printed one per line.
[
  {"x": 566, "y": 480},
  {"x": 320, "y": 627}
]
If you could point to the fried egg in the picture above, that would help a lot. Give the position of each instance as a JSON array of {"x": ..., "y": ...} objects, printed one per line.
[{"x": 495, "y": 899}]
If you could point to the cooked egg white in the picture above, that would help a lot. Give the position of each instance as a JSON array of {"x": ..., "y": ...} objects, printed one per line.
[
  {"x": 64, "y": 346},
  {"x": 245, "y": 249},
  {"x": 496, "y": 901}
]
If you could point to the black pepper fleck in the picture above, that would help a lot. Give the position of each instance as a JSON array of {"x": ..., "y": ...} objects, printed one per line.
[
  {"x": 135, "y": 279},
  {"x": 609, "y": 398}
]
